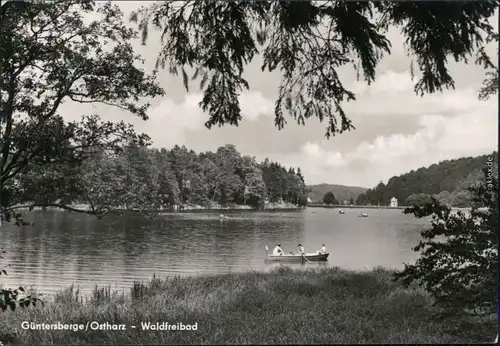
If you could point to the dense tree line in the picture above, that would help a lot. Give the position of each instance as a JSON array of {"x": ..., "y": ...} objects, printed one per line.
[
  {"x": 447, "y": 181},
  {"x": 139, "y": 176}
]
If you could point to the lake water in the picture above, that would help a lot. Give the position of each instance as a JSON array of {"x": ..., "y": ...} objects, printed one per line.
[{"x": 67, "y": 248}]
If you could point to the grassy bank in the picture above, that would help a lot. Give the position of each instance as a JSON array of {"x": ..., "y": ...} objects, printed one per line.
[{"x": 324, "y": 306}]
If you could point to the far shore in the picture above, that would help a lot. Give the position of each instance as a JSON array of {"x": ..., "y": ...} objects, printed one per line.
[
  {"x": 222, "y": 209},
  {"x": 190, "y": 208},
  {"x": 352, "y": 206},
  {"x": 282, "y": 306}
]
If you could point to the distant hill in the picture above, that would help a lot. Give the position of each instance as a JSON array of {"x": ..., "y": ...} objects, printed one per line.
[
  {"x": 447, "y": 181},
  {"x": 341, "y": 192}
]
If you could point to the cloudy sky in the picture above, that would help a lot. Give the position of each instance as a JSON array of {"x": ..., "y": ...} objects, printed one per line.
[{"x": 396, "y": 131}]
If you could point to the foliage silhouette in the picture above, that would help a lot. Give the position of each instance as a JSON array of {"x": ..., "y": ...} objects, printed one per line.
[
  {"x": 308, "y": 42},
  {"x": 459, "y": 253}
]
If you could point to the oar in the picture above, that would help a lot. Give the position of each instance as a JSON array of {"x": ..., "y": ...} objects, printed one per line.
[{"x": 304, "y": 257}]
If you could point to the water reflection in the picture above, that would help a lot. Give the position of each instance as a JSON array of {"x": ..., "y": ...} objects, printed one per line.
[{"x": 64, "y": 248}]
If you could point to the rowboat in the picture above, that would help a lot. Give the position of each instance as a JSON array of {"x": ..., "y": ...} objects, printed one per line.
[{"x": 312, "y": 257}]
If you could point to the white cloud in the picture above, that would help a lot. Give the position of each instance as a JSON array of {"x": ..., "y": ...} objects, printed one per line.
[
  {"x": 254, "y": 104},
  {"x": 172, "y": 123},
  {"x": 314, "y": 153},
  {"x": 392, "y": 95},
  {"x": 451, "y": 124},
  {"x": 391, "y": 83},
  {"x": 438, "y": 138}
]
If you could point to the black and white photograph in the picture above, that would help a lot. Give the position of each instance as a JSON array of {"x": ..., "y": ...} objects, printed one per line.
[{"x": 248, "y": 172}]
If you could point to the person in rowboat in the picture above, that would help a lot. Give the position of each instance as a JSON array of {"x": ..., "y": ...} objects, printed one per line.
[
  {"x": 277, "y": 250},
  {"x": 323, "y": 249},
  {"x": 300, "y": 249}
]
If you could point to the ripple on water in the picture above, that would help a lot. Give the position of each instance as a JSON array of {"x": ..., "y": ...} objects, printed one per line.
[{"x": 64, "y": 249}]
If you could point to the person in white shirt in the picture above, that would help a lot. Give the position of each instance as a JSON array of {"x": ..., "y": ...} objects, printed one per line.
[
  {"x": 277, "y": 250},
  {"x": 300, "y": 249},
  {"x": 323, "y": 249}
]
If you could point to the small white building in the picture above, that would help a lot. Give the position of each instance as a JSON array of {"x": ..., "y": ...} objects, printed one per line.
[{"x": 394, "y": 202}]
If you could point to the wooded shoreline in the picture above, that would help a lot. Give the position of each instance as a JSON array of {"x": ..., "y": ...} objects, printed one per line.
[{"x": 180, "y": 209}]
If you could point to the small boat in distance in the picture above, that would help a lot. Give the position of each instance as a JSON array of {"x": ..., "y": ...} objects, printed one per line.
[
  {"x": 363, "y": 215},
  {"x": 341, "y": 211},
  {"x": 223, "y": 217}
]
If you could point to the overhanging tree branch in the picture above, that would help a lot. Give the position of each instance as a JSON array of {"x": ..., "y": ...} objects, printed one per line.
[{"x": 286, "y": 34}]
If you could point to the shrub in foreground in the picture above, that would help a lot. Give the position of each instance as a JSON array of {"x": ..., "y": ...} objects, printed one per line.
[{"x": 459, "y": 253}]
